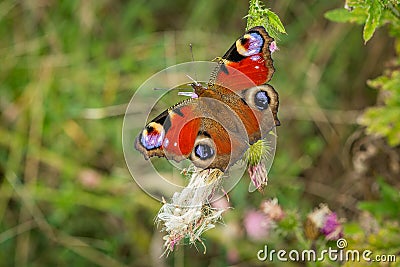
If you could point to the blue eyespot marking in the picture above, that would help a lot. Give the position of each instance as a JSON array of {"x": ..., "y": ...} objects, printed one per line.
[
  {"x": 261, "y": 100},
  {"x": 255, "y": 43},
  {"x": 204, "y": 151},
  {"x": 152, "y": 136}
]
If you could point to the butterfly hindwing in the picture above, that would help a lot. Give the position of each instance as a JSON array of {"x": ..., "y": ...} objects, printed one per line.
[{"x": 264, "y": 103}]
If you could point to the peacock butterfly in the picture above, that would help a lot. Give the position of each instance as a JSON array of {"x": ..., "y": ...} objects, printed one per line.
[{"x": 234, "y": 110}]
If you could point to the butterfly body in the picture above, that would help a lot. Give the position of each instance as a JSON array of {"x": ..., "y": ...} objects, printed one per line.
[{"x": 229, "y": 114}]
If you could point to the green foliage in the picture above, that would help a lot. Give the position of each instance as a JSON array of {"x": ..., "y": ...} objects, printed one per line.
[
  {"x": 260, "y": 16},
  {"x": 389, "y": 204},
  {"x": 343, "y": 15},
  {"x": 371, "y": 13},
  {"x": 382, "y": 120},
  {"x": 380, "y": 221},
  {"x": 374, "y": 14},
  {"x": 380, "y": 226}
]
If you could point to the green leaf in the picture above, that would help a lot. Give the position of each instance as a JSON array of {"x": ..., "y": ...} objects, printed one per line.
[
  {"x": 374, "y": 14},
  {"x": 388, "y": 205},
  {"x": 261, "y": 16},
  {"x": 343, "y": 15},
  {"x": 389, "y": 193},
  {"x": 275, "y": 22},
  {"x": 384, "y": 119}
]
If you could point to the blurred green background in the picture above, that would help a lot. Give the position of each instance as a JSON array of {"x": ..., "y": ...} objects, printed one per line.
[{"x": 68, "y": 70}]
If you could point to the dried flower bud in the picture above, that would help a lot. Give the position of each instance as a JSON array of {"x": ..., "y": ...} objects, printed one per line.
[
  {"x": 323, "y": 221},
  {"x": 272, "y": 209},
  {"x": 190, "y": 214},
  {"x": 258, "y": 175}
]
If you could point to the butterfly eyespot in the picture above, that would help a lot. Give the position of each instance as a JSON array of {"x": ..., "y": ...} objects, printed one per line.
[
  {"x": 261, "y": 100},
  {"x": 243, "y": 40},
  {"x": 264, "y": 99},
  {"x": 250, "y": 44},
  {"x": 204, "y": 151},
  {"x": 258, "y": 97},
  {"x": 152, "y": 136}
]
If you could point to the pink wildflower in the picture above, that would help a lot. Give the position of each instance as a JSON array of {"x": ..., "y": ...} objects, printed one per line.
[
  {"x": 257, "y": 225},
  {"x": 272, "y": 209},
  {"x": 273, "y": 47},
  {"x": 332, "y": 228}
]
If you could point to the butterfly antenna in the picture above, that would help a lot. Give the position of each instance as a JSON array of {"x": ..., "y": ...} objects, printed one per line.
[
  {"x": 193, "y": 80},
  {"x": 195, "y": 75},
  {"x": 191, "y": 94},
  {"x": 191, "y": 53}
]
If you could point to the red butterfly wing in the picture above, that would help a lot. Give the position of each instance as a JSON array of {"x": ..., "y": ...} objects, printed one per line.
[
  {"x": 249, "y": 55},
  {"x": 171, "y": 134}
]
